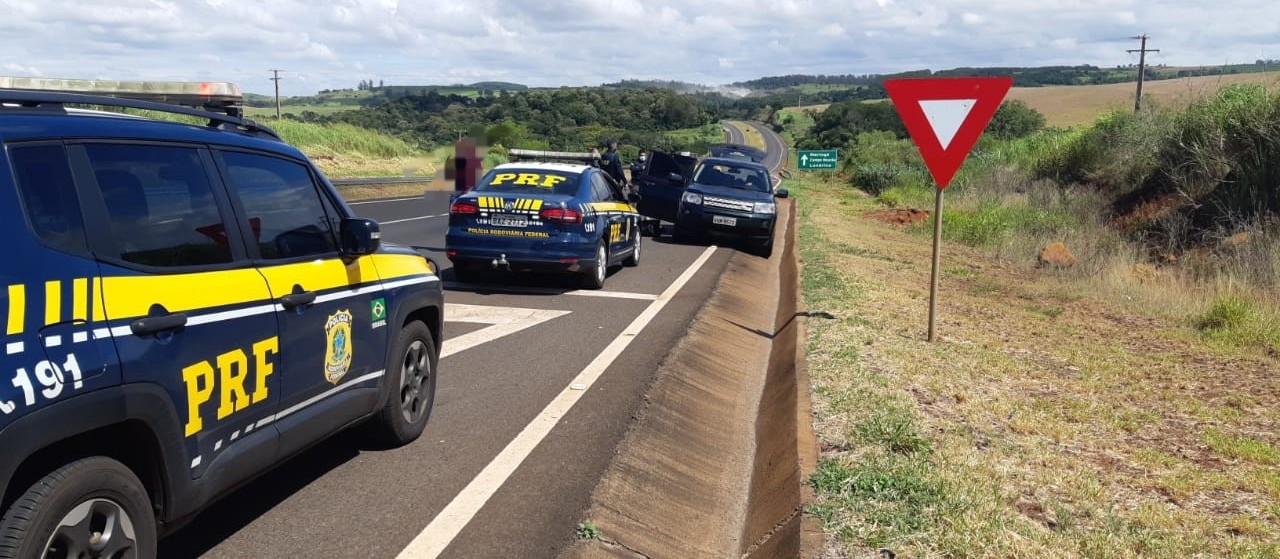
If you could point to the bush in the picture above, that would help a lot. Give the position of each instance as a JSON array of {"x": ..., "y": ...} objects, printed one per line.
[{"x": 1014, "y": 119}]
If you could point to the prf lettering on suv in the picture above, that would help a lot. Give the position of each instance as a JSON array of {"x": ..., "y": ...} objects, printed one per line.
[{"x": 183, "y": 307}]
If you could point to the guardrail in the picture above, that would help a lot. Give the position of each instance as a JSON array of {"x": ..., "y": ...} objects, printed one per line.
[{"x": 380, "y": 180}]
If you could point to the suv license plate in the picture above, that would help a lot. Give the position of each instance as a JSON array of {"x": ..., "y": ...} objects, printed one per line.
[
  {"x": 722, "y": 220},
  {"x": 509, "y": 221}
]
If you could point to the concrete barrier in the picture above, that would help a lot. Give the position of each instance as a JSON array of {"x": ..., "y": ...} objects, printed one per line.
[{"x": 712, "y": 467}]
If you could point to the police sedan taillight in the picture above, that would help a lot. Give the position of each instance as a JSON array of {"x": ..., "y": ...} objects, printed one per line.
[
  {"x": 561, "y": 215},
  {"x": 464, "y": 208}
]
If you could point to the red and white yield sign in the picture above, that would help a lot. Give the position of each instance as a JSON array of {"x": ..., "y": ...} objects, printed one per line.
[{"x": 946, "y": 116}]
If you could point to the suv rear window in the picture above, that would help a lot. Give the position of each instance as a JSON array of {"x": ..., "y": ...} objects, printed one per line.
[
  {"x": 160, "y": 205},
  {"x": 49, "y": 196}
]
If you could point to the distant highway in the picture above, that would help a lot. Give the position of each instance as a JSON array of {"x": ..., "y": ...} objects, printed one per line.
[
  {"x": 733, "y": 134},
  {"x": 775, "y": 148}
]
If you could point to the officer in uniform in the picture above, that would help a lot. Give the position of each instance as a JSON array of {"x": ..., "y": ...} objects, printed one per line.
[{"x": 612, "y": 163}]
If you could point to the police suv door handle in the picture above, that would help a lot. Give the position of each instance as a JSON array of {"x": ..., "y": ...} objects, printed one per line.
[
  {"x": 157, "y": 324},
  {"x": 295, "y": 300}
]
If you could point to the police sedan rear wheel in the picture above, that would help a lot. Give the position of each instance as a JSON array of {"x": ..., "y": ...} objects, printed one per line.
[
  {"x": 412, "y": 381},
  {"x": 595, "y": 276},
  {"x": 634, "y": 258},
  {"x": 91, "y": 508}
]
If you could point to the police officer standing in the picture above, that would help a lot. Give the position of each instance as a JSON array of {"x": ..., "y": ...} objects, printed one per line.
[{"x": 612, "y": 163}]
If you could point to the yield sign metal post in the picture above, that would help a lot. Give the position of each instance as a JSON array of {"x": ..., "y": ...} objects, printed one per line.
[{"x": 945, "y": 117}]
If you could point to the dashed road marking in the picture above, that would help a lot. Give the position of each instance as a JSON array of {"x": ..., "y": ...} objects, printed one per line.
[{"x": 395, "y": 221}]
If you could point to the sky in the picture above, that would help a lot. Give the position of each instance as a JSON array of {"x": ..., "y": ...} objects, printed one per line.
[{"x": 327, "y": 44}]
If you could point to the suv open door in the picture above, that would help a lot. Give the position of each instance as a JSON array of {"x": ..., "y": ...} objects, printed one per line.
[{"x": 662, "y": 183}]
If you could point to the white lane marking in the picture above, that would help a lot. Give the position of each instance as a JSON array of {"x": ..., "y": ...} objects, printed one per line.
[
  {"x": 502, "y": 321},
  {"x": 385, "y": 201},
  {"x": 550, "y": 291},
  {"x": 449, "y": 523},
  {"x": 395, "y": 221}
]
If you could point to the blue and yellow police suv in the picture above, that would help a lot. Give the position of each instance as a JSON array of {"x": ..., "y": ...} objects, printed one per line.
[
  {"x": 183, "y": 307},
  {"x": 548, "y": 216}
]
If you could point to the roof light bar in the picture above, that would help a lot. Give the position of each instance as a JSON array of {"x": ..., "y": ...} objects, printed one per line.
[
  {"x": 526, "y": 154},
  {"x": 197, "y": 94}
]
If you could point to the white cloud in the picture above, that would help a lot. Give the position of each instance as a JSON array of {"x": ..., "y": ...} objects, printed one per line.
[
  {"x": 571, "y": 42},
  {"x": 832, "y": 30}
]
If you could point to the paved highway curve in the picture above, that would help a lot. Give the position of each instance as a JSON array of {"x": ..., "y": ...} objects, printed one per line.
[{"x": 344, "y": 498}]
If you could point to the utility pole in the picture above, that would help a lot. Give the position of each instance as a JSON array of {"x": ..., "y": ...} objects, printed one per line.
[
  {"x": 1142, "y": 68},
  {"x": 276, "y": 78}
]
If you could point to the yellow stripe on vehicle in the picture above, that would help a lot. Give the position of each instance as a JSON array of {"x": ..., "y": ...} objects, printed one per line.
[
  {"x": 98, "y": 307},
  {"x": 52, "y": 302},
  {"x": 393, "y": 266},
  {"x": 319, "y": 275},
  {"x": 17, "y": 309},
  {"x": 80, "y": 299},
  {"x": 537, "y": 205},
  {"x": 132, "y": 296},
  {"x": 611, "y": 207}
]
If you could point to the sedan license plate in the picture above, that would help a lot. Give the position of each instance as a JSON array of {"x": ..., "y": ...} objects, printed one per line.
[
  {"x": 509, "y": 221},
  {"x": 722, "y": 220}
]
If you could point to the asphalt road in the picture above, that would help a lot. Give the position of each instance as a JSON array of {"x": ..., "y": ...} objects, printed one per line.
[
  {"x": 775, "y": 147},
  {"x": 460, "y": 487},
  {"x": 346, "y": 499},
  {"x": 733, "y": 134}
]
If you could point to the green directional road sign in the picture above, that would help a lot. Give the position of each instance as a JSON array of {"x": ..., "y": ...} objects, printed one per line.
[{"x": 818, "y": 160}]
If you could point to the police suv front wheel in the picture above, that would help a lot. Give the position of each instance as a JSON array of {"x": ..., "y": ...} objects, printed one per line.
[
  {"x": 91, "y": 508},
  {"x": 412, "y": 380}
]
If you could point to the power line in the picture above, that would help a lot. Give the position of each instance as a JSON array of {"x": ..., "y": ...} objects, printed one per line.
[{"x": 1142, "y": 68}]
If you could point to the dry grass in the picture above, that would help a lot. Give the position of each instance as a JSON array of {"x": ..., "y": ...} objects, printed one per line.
[
  {"x": 1068, "y": 105},
  {"x": 1052, "y": 419}
]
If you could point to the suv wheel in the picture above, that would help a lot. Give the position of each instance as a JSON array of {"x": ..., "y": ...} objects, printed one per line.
[
  {"x": 595, "y": 275},
  {"x": 412, "y": 377},
  {"x": 92, "y": 508}
]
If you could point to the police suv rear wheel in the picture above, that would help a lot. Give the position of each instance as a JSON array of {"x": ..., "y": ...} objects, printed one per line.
[
  {"x": 595, "y": 274},
  {"x": 412, "y": 380},
  {"x": 91, "y": 508}
]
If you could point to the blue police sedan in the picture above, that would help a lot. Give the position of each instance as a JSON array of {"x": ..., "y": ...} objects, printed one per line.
[{"x": 543, "y": 217}]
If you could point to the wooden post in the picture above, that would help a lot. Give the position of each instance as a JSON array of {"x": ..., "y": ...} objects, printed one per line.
[{"x": 937, "y": 259}]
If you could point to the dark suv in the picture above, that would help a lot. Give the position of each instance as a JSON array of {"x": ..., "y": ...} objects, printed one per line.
[
  {"x": 731, "y": 196},
  {"x": 184, "y": 307}
]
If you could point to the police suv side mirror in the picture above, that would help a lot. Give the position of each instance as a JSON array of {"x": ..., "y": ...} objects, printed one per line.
[
  {"x": 782, "y": 193},
  {"x": 633, "y": 198},
  {"x": 359, "y": 237},
  {"x": 675, "y": 177}
]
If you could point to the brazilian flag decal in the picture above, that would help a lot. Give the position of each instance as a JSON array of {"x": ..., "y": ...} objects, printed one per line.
[{"x": 378, "y": 310}]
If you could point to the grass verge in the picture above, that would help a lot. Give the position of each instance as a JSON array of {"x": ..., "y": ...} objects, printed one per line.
[{"x": 1049, "y": 421}]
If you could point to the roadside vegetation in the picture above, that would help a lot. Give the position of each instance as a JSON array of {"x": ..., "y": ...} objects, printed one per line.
[{"x": 1120, "y": 405}]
